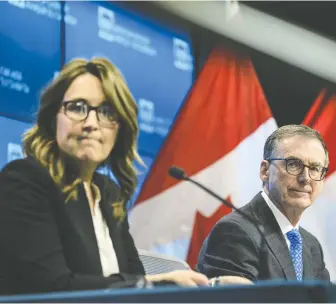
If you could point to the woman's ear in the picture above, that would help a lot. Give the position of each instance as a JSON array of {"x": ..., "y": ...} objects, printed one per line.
[{"x": 264, "y": 171}]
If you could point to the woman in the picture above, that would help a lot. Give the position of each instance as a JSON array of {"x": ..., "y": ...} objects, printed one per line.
[{"x": 63, "y": 225}]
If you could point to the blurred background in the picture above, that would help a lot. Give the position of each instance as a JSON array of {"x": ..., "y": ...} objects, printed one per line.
[
  {"x": 161, "y": 48},
  {"x": 159, "y": 53}
]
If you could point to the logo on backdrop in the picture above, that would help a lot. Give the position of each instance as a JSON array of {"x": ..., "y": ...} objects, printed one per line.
[
  {"x": 14, "y": 151},
  {"x": 146, "y": 115},
  {"x": 106, "y": 19},
  {"x": 183, "y": 59},
  {"x": 13, "y": 79},
  {"x": 149, "y": 122},
  {"x": 111, "y": 31},
  {"x": 49, "y": 9}
]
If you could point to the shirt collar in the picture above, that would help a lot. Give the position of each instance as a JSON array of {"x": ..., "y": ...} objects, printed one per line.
[{"x": 281, "y": 219}]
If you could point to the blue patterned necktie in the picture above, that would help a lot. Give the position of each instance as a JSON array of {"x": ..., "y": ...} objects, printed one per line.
[{"x": 295, "y": 239}]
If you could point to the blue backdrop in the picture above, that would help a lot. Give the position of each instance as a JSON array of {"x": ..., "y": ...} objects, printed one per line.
[
  {"x": 29, "y": 54},
  {"x": 156, "y": 62}
]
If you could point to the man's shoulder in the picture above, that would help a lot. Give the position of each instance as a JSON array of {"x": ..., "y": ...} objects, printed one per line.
[
  {"x": 238, "y": 221},
  {"x": 246, "y": 222},
  {"x": 236, "y": 216},
  {"x": 245, "y": 214},
  {"x": 309, "y": 237}
]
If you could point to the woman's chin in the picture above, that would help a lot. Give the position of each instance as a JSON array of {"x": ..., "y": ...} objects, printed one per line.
[{"x": 89, "y": 159}]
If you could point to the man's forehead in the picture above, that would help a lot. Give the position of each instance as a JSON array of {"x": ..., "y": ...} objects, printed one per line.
[
  {"x": 302, "y": 147},
  {"x": 298, "y": 141}
]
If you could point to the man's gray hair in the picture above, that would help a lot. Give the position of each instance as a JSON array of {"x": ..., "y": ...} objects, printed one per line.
[{"x": 289, "y": 131}]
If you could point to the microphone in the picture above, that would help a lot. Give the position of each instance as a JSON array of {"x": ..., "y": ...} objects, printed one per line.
[{"x": 179, "y": 174}]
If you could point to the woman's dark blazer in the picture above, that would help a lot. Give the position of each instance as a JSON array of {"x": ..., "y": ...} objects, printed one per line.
[{"x": 48, "y": 244}]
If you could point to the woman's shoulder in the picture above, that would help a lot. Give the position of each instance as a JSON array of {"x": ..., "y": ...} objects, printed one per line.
[
  {"x": 26, "y": 168},
  {"x": 27, "y": 164},
  {"x": 109, "y": 188},
  {"x": 26, "y": 184},
  {"x": 103, "y": 181}
]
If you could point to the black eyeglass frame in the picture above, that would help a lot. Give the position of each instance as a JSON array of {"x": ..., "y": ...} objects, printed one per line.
[
  {"x": 323, "y": 173},
  {"x": 89, "y": 109}
]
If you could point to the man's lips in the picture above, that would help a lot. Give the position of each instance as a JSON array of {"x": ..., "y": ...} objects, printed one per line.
[{"x": 301, "y": 191}]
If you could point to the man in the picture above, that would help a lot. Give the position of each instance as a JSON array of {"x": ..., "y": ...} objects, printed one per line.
[{"x": 269, "y": 243}]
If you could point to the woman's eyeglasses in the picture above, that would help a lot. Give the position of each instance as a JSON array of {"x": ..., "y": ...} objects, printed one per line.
[{"x": 79, "y": 109}]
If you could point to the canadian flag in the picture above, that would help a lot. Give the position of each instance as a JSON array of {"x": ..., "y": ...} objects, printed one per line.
[
  {"x": 319, "y": 219},
  {"x": 217, "y": 138}
]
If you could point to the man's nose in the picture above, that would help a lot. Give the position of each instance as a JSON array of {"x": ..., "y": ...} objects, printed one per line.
[{"x": 304, "y": 176}]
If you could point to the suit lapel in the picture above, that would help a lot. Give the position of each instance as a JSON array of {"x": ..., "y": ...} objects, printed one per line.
[
  {"x": 275, "y": 240},
  {"x": 279, "y": 248},
  {"x": 307, "y": 258}
]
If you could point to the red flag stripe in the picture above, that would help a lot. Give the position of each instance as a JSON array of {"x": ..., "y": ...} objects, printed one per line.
[
  {"x": 322, "y": 117},
  {"x": 184, "y": 140},
  {"x": 217, "y": 138},
  {"x": 319, "y": 218},
  {"x": 202, "y": 227}
]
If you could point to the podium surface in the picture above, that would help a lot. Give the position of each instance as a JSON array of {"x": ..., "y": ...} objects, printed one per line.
[{"x": 270, "y": 292}]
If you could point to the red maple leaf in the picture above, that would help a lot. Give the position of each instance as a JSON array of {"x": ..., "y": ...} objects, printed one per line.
[{"x": 201, "y": 229}]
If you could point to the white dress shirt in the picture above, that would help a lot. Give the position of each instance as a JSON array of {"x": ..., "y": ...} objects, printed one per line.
[
  {"x": 281, "y": 219},
  {"x": 107, "y": 253}
]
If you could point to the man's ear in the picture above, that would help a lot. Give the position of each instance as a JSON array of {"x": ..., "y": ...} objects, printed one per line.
[{"x": 264, "y": 171}]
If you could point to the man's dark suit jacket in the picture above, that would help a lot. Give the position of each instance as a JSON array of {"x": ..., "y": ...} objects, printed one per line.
[
  {"x": 236, "y": 247},
  {"x": 47, "y": 244}
]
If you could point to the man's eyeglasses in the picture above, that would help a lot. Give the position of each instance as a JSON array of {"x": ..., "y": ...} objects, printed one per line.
[
  {"x": 79, "y": 109},
  {"x": 295, "y": 167}
]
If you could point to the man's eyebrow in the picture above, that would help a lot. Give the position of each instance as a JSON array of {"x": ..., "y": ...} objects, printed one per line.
[
  {"x": 292, "y": 156},
  {"x": 313, "y": 163}
]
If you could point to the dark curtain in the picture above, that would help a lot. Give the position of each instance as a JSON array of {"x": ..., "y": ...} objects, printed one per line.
[{"x": 289, "y": 90}]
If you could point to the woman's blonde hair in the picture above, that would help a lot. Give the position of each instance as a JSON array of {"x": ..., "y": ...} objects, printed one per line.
[{"x": 40, "y": 141}]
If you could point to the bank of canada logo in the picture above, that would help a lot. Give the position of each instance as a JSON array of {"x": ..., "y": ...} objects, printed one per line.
[
  {"x": 146, "y": 115},
  {"x": 14, "y": 151},
  {"x": 182, "y": 57},
  {"x": 106, "y": 19}
]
